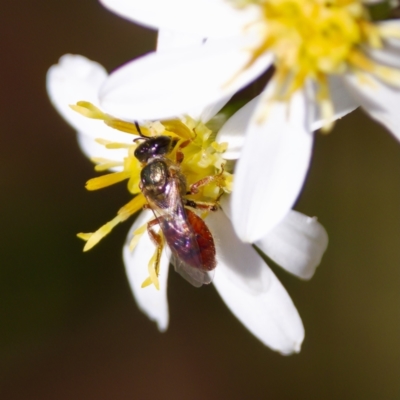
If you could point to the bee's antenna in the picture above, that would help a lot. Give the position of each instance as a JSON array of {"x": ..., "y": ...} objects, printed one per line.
[{"x": 138, "y": 129}]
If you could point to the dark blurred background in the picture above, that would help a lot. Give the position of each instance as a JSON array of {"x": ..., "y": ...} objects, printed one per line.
[{"x": 69, "y": 327}]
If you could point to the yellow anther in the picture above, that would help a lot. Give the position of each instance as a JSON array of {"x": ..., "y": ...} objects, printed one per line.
[
  {"x": 104, "y": 164},
  {"x": 219, "y": 147},
  {"x": 89, "y": 110},
  {"x": 123, "y": 214},
  {"x": 177, "y": 128},
  {"x": 85, "y": 236},
  {"x": 133, "y": 206},
  {"x": 100, "y": 233},
  {"x": 113, "y": 145},
  {"x": 137, "y": 234},
  {"x": 152, "y": 271},
  {"x": 154, "y": 265},
  {"x": 103, "y": 181},
  {"x": 228, "y": 182},
  {"x": 124, "y": 126},
  {"x": 146, "y": 282},
  {"x": 155, "y": 128},
  {"x": 133, "y": 184},
  {"x": 372, "y": 35},
  {"x": 386, "y": 74}
]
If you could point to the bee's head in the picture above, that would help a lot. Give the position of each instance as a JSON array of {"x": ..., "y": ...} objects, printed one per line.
[{"x": 155, "y": 146}]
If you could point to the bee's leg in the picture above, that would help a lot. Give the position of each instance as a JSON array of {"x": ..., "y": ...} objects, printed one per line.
[
  {"x": 202, "y": 205},
  {"x": 194, "y": 187},
  {"x": 154, "y": 236},
  {"x": 152, "y": 223},
  {"x": 158, "y": 241},
  {"x": 179, "y": 154}
]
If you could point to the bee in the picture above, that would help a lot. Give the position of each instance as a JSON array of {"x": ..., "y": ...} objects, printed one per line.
[{"x": 165, "y": 189}]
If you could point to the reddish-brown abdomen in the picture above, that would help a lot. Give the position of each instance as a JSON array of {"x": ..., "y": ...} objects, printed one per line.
[{"x": 204, "y": 239}]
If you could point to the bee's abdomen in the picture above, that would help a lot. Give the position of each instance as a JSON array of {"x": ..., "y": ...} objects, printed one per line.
[{"x": 204, "y": 239}]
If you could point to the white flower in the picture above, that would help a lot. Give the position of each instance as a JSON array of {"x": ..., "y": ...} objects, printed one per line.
[
  {"x": 242, "y": 278},
  {"x": 328, "y": 57}
]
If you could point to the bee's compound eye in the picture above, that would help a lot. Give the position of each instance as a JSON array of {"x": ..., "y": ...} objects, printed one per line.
[
  {"x": 157, "y": 146},
  {"x": 154, "y": 177}
]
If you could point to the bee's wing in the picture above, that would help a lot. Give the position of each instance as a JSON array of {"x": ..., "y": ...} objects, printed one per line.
[
  {"x": 196, "y": 276},
  {"x": 169, "y": 206},
  {"x": 185, "y": 252}
]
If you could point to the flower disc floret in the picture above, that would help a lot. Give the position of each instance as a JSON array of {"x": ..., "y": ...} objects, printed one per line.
[{"x": 317, "y": 38}]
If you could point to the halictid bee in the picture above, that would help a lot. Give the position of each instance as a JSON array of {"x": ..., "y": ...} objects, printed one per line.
[{"x": 164, "y": 186}]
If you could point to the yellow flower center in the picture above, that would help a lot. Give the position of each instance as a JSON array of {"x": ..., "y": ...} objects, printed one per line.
[
  {"x": 316, "y": 38},
  {"x": 202, "y": 158}
]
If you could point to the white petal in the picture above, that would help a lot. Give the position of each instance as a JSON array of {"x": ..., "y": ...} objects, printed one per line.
[
  {"x": 204, "y": 114},
  {"x": 271, "y": 170},
  {"x": 203, "y": 17},
  {"x": 234, "y": 130},
  {"x": 234, "y": 255},
  {"x": 151, "y": 301},
  {"x": 297, "y": 244},
  {"x": 389, "y": 54},
  {"x": 171, "y": 83},
  {"x": 390, "y": 29},
  {"x": 379, "y": 100},
  {"x": 342, "y": 100},
  {"x": 73, "y": 79},
  {"x": 252, "y": 292},
  {"x": 93, "y": 149},
  {"x": 167, "y": 39}
]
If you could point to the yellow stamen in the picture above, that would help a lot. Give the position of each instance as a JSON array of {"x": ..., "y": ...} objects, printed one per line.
[
  {"x": 103, "y": 181},
  {"x": 84, "y": 236},
  {"x": 89, "y": 110},
  {"x": 372, "y": 35},
  {"x": 154, "y": 265},
  {"x": 325, "y": 103},
  {"x": 137, "y": 234},
  {"x": 155, "y": 128},
  {"x": 133, "y": 206},
  {"x": 147, "y": 282},
  {"x": 123, "y": 214},
  {"x": 95, "y": 237},
  {"x": 127, "y": 127},
  {"x": 219, "y": 147},
  {"x": 228, "y": 182},
  {"x": 113, "y": 145},
  {"x": 103, "y": 164},
  {"x": 152, "y": 272},
  {"x": 134, "y": 184},
  {"x": 177, "y": 128},
  {"x": 386, "y": 74}
]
